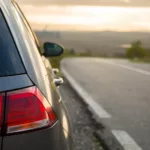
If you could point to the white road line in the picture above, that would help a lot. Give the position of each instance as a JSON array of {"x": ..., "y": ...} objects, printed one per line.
[
  {"x": 94, "y": 107},
  {"x": 126, "y": 67},
  {"x": 126, "y": 140}
]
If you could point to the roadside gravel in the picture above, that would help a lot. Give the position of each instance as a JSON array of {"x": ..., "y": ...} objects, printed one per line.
[{"x": 82, "y": 122}]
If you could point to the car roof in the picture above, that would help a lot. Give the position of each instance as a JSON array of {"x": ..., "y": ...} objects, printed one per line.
[{"x": 2, "y": 2}]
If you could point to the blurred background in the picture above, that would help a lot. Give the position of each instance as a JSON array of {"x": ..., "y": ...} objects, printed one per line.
[{"x": 88, "y": 26}]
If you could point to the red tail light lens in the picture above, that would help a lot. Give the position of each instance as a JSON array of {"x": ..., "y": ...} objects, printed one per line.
[
  {"x": 27, "y": 109},
  {"x": 1, "y": 106}
]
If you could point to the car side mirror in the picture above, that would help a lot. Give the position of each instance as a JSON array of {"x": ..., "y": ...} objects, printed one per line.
[
  {"x": 52, "y": 49},
  {"x": 58, "y": 81}
]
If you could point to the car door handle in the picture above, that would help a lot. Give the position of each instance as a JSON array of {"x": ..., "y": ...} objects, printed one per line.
[
  {"x": 55, "y": 70},
  {"x": 58, "y": 81}
]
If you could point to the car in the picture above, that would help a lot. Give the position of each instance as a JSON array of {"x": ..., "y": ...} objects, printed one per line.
[{"x": 32, "y": 113}]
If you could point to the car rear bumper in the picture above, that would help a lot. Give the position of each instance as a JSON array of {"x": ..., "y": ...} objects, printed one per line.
[{"x": 54, "y": 138}]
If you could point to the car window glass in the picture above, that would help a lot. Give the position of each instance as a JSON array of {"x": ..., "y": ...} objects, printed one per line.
[{"x": 10, "y": 61}]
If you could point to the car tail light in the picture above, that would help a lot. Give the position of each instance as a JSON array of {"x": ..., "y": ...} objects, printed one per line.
[
  {"x": 27, "y": 109},
  {"x": 1, "y": 107}
]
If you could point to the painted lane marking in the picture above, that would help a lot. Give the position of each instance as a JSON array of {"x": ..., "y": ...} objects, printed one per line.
[
  {"x": 126, "y": 140},
  {"x": 96, "y": 108},
  {"x": 126, "y": 67}
]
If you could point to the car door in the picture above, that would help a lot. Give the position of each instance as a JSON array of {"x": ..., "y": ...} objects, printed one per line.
[
  {"x": 59, "y": 106},
  {"x": 61, "y": 109}
]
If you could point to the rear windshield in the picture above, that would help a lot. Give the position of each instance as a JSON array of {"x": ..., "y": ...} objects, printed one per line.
[{"x": 10, "y": 62}]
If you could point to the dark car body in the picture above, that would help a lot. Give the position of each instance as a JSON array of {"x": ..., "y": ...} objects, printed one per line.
[{"x": 23, "y": 66}]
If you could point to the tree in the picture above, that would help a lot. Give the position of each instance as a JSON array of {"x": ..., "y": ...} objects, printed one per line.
[{"x": 136, "y": 50}]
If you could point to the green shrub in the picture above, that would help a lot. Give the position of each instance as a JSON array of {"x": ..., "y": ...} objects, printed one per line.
[{"x": 136, "y": 51}]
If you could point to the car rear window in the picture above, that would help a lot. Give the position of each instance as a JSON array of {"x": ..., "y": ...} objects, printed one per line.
[{"x": 10, "y": 61}]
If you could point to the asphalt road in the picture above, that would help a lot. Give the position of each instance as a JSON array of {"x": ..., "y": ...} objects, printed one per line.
[
  {"x": 121, "y": 90},
  {"x": 82, "y": 123}
]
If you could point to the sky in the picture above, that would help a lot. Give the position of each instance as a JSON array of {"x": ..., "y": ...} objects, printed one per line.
[
  {"x": 89, "y": 2},
  {"x": 95, "y": 15}
]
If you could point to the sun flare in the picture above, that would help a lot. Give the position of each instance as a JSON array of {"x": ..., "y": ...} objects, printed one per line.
[{"x": 89, "y": 17}]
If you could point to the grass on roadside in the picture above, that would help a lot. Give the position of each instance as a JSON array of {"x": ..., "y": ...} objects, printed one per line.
[
  {"x": 140, "y": 60},
  {"x": 55, "y": 61}
]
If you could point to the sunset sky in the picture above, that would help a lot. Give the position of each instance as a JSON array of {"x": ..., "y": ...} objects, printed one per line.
[{"x": 119, "y": 15}]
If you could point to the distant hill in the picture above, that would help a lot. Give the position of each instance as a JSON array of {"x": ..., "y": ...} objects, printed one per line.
[
  {"x": 45, "y": 34},
  {"x": 106, "y": 43}
]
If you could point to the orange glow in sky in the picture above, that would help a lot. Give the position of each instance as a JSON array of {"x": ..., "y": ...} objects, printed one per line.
[{"x": 92, "y": 18}]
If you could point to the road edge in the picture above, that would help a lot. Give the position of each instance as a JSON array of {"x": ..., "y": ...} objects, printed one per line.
[{"x": 102, "y": 134}]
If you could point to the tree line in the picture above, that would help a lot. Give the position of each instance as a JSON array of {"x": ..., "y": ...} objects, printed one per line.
[{"x": 137, "y": 51}]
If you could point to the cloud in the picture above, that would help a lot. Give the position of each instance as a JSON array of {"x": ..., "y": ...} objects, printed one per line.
[
  {"x": 88, "y": 17},
  {"x": 88, "y": 2}
]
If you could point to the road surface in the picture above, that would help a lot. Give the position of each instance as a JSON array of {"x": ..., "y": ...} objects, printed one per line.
[
  {"x": 119, "y": 93},
  {"x": 83, "y": 125}
]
